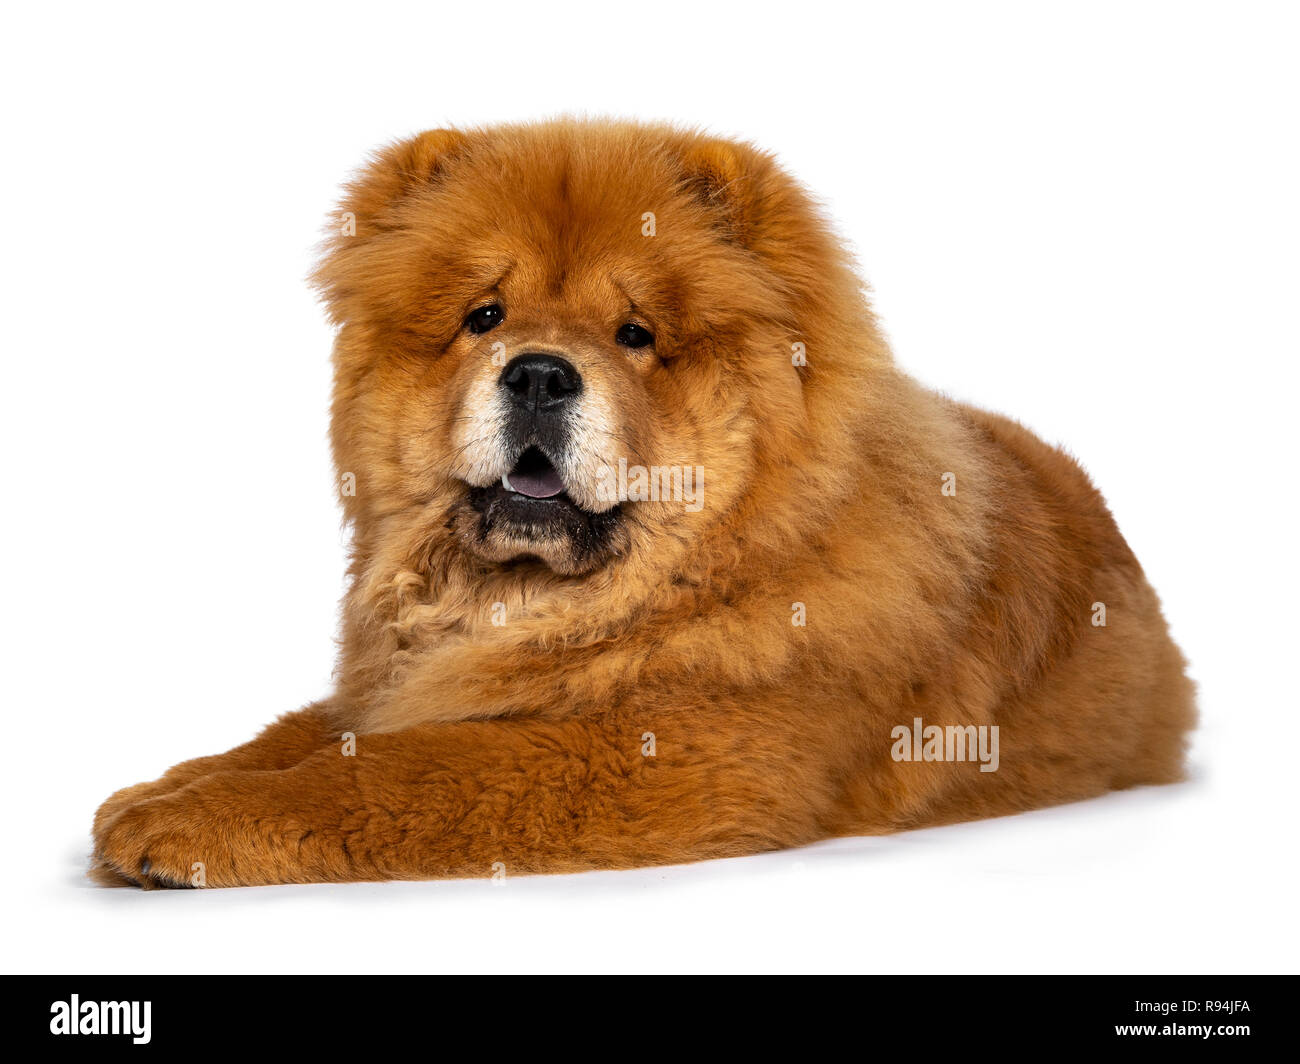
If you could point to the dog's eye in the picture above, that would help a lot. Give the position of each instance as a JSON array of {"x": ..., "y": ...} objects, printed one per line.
[
  {"x": 633, "y": 335},
  {"x": 485, "y": 318}
]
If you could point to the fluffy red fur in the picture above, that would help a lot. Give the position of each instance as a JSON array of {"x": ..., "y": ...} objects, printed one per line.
[{"x": 634, "y": 686}]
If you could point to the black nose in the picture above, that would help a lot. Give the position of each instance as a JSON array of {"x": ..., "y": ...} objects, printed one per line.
[{"x": 540, "y": 382}]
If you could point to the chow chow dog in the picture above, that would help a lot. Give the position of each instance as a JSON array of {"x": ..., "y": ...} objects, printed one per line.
[{"x": 657, "y": 556}]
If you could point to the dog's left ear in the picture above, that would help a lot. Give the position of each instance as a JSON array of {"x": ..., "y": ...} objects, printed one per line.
[
  {"x": 724, "y": 178},
  {"x": 752, "y": 202}
]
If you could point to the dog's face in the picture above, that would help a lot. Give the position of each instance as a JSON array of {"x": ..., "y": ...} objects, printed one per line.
[{"x": 561, "y": 343}]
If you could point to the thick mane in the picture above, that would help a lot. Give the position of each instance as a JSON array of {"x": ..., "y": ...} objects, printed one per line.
[{"x": 802, "y": 448}]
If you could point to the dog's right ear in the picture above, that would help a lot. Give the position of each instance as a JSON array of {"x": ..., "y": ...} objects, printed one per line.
[
  {"x": 354, "y": 262},
  {"x": 397, "y": 171}
]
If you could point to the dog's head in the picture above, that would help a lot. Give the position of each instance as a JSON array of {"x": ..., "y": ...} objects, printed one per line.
[{"x": 566, "y": 345}]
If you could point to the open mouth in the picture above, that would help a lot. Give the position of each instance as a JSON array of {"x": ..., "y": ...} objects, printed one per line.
[
  {"x": 529, "y": 513},
  {"x": 530, "y": 499},
  {"x": 530, "y": 505},
  {"x": 533, "y": 477}
]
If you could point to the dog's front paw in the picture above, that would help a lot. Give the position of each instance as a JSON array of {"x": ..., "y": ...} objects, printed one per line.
[
  {"x": 121, "y": 800},
  {"x": 117, "y": 803},
  {"x": 170, "y": 841},
  {"x": 224, "y": 830}
]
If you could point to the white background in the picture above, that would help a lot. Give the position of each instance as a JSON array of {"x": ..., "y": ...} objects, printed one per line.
[{"x": 1082, "y": 215}]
